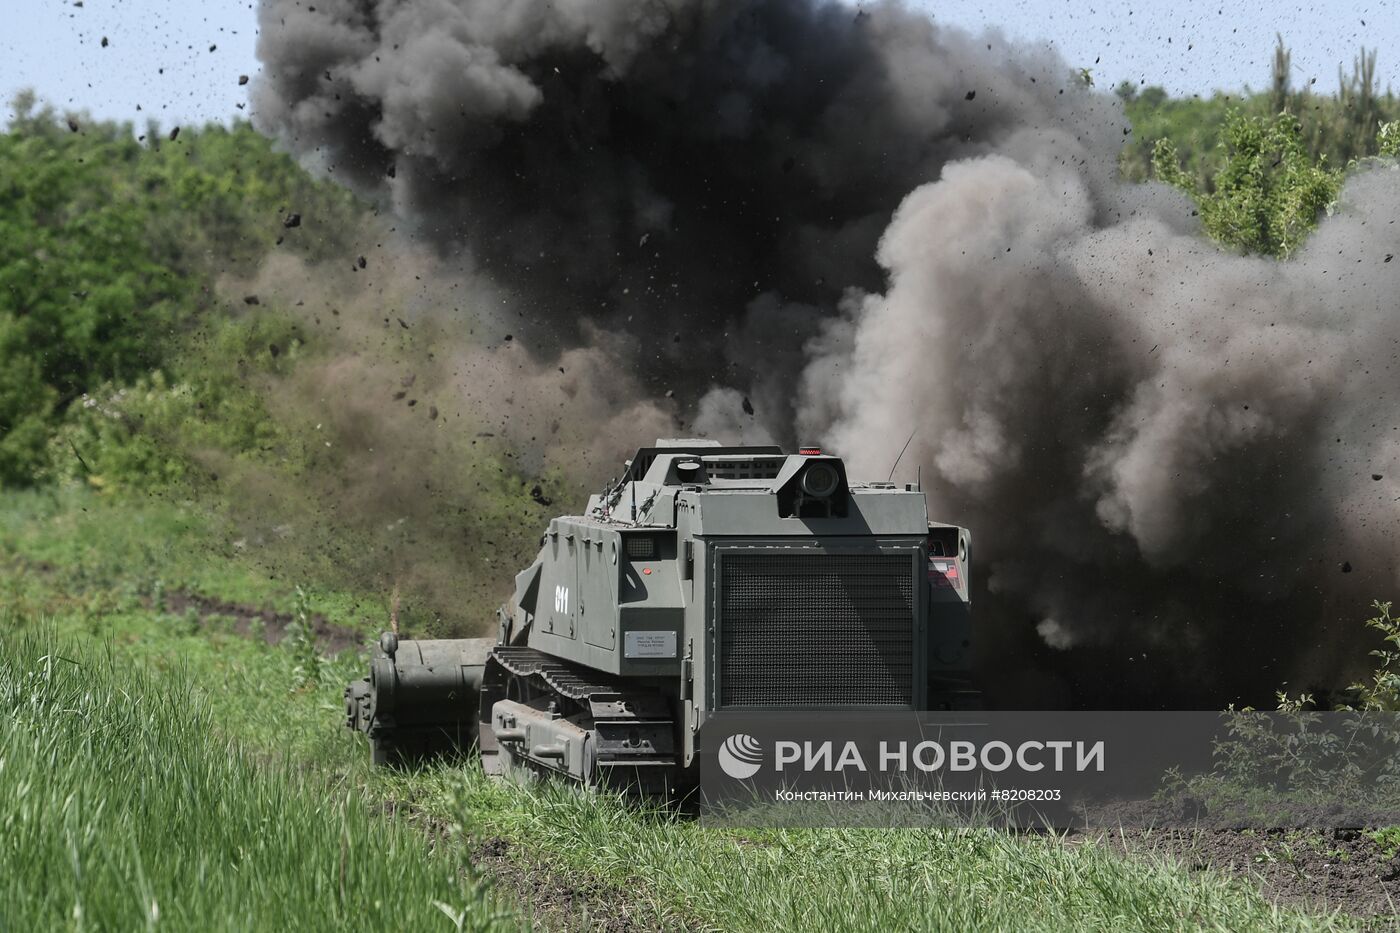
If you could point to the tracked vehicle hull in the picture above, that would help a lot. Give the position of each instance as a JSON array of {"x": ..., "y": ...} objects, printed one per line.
[
  {"x": 555, "y": 717},
  {"x": 708, "y": 578}
]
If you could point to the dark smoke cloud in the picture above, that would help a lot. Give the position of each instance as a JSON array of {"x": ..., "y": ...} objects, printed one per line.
[
  {"x": 864, "y": 225},
  {"x": 1166, "y": 452},
  {"x": 655, "y": 167}
]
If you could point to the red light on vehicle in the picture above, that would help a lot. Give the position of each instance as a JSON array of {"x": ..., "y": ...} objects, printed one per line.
[
  {"x": 810, "y": 451},
  {"x": 943, "y": 572}
]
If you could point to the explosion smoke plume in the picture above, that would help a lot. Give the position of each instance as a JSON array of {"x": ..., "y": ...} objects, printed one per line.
[
  {"x": 866, "y": 224},
  {"x": 415, "y": 438}
]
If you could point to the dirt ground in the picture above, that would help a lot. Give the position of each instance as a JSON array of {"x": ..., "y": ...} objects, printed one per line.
[
  {"x": 1320, "y": 869},
  {"x": 330, "y": 638},
  {"x": 555, "y": 903}
]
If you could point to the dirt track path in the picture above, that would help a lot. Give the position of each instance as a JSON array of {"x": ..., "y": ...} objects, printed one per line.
[{"x": 1317, "y": 869}]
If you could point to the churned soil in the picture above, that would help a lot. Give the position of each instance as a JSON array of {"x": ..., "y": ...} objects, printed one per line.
[
  {"x": 330, "y": 638},
  {"x": 1317, "y": 869},
  {"x": 548, "y": 898},
  {"x": 553, "y": 901},
  {"x": 246, "y": 619}
]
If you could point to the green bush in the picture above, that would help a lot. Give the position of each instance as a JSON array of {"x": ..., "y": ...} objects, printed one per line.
[
  {"x": 109, "y": 247},
  {"x": 152, "y": 432},
  {"x": 1388, "y": 139},
  {"x": 1267, "y": 195},
  {"x": 1343, "y": 128}
]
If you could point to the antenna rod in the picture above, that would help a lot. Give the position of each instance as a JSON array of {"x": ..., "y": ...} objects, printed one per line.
[
  {"x": 901, "y": 453},
  {"x": 634, "y": 503}
]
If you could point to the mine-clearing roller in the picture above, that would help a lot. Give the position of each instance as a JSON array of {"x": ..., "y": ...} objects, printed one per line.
[{"x": 707, "y": 578}]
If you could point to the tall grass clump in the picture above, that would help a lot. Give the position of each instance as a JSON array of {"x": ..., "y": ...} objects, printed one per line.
[
  {"x": 680, "y": 873},
  {"x": 122, "y": 808}
]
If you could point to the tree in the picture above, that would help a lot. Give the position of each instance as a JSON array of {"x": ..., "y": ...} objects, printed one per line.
[
  {"x": 1268, "y": 193},
  {"x": 110, "y": 244},
  {"x": 1281, "y": 78}
]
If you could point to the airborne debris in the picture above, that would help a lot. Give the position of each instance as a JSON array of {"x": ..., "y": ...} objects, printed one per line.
[
  {"x": 174, "y": 134},
  {"x": 104, "y": 42},
  {"x": 250, "y": 299},
  {"x": 293, "y": 220},
  {"x": 747, "y": 405},
  {"x": 432, "y": 412},
  {"x": 537, "y": 493},
  {"x": 361, "y": 262},
  {"x": 1346, "y": 566},
  {"x": 73, "y": 124},
  {"x": 1377, "y": 477},
  {"x": 242, "y": 80},
  {"x": 1130, "y": 454}
]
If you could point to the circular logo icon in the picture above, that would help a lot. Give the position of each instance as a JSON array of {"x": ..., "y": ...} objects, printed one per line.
[{"x": 740, "y": 756}]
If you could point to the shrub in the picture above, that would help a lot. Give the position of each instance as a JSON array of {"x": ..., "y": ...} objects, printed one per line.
[{"x": 1268, "y": 194}]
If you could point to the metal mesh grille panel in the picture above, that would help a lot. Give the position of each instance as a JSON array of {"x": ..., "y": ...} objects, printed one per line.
[
  {"x": 756, "y": 468},
  {"x": 816, "y": 629}
]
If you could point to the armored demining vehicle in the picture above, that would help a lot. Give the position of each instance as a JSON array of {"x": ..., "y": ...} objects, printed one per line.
[{"x": 707, "y": 578}]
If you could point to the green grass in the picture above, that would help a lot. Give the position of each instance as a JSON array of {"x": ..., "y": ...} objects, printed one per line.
[
  {"x": 132, "y": 548},
  {"x": 1387, "y": 839},
  {"x": 679, "y": 872},
  {"x": 221, "y": 710},
  {"x": 125, "y": 807}
]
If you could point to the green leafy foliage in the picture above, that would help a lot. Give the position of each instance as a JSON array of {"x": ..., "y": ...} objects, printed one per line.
[
  {"x": 1192, "y": 124},
  {"x": 1388, "y": 839},
  {"x": 1268, "y": 193},
  {"x": 151, "y": 375},
  {"x": 151, "y": 432},
  {"x": 1388, "y": 140},
  {"x": 82, "y": 297},
  {"x": 1382, "y": 691},
  {"x": 301, "y": 641},
  {"x": 109, "y": 245},
  {"x": 1272, "y": 762},
  {"x": 1343, "y": 127}
]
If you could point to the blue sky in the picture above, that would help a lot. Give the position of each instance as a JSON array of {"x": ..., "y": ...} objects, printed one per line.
[{"x": 158, "y": 54}]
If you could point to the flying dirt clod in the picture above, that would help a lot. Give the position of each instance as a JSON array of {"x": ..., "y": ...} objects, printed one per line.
[{"x": 1166, "y": 448}]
